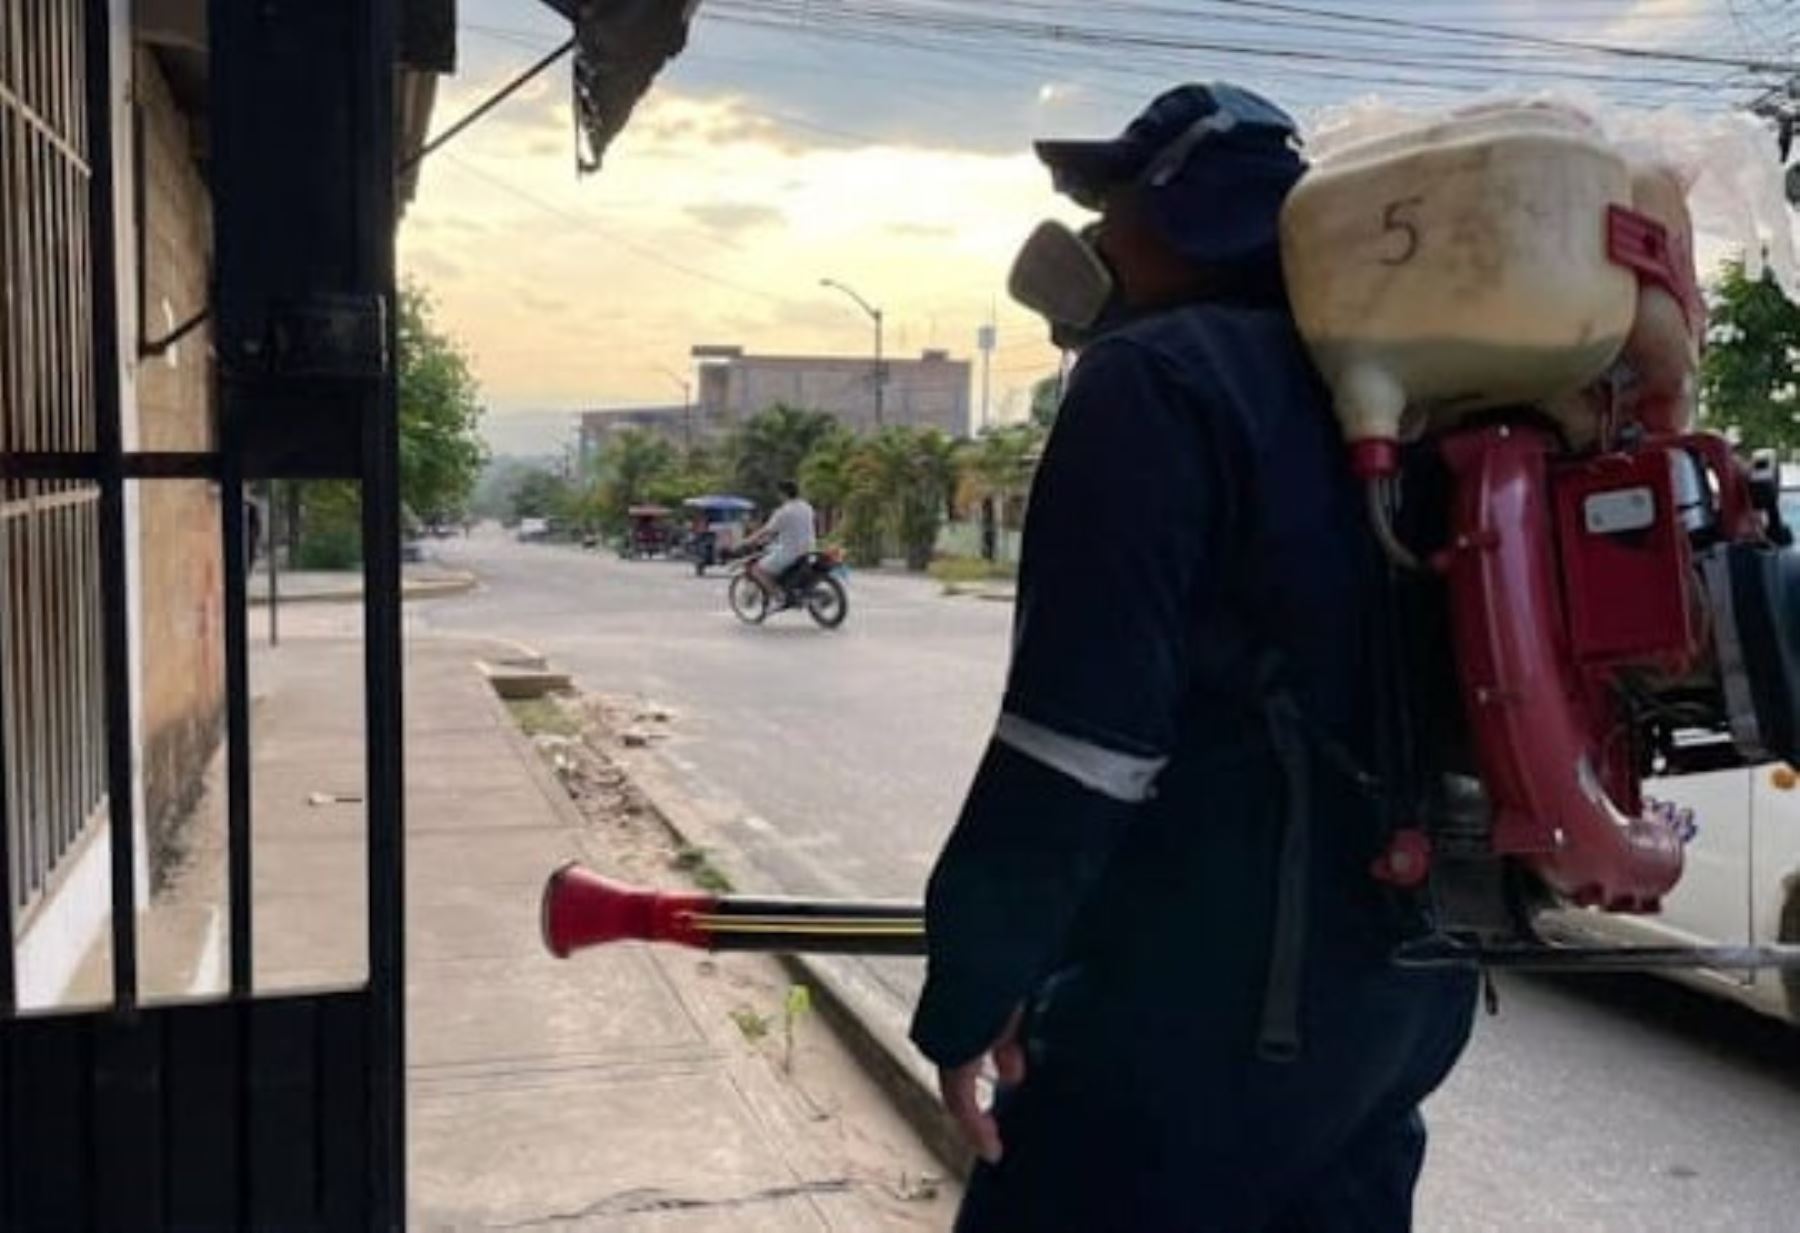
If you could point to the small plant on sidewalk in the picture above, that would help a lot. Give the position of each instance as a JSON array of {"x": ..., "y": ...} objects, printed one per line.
[
  {"x": 797, "y": 1006},
  {"x": 754, "y": 1025},
  {"x": 699, "y": 867}
]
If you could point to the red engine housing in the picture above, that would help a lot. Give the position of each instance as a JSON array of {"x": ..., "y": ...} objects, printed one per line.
[{"x": 1564, "y": 575}]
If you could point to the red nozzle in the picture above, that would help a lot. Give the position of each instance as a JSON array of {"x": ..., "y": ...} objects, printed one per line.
[
  {"x": 1374, "y": 457},
  {"x": 1407, "y": 861},
  {"x": 580, "y": 908}
]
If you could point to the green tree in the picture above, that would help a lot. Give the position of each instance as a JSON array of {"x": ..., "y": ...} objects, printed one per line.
[
  {"x": 539, "y": 493},
  {"x": 771, "y": 445},
  {"x": 696, "y": 470},
  {"x": 329, "y": 525},
  {"x": 1750, "y": 376},
  {"x": 441, "y": 452},
  {"x": 864, "y": 505},
  {"x": 634, "y": 468},
  {"x": 914, "y": 473},
  {"x": 999, "y": 465},
  {"x": 825, "y": 477},
  {"x": 1046, "y": 399}
]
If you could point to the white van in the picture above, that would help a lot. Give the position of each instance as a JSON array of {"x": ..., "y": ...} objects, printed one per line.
[{"x": 1742, "y": 881}]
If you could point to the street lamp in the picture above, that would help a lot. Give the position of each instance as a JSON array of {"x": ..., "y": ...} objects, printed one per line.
[
  {"x": 875, "y": 316},
  {"x": 687, "y": 405}
]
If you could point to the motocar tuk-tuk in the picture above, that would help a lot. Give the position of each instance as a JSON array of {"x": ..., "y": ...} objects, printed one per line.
[
  {"x": 649, "y": 533},
  {"x": 717, "y": 525}
]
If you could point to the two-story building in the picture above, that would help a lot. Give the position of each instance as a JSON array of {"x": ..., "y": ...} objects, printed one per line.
[{"x": 931, "y": 391}]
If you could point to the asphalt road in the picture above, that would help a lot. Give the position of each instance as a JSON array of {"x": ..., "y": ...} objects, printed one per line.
[{"x": 1621, "y": 1105}]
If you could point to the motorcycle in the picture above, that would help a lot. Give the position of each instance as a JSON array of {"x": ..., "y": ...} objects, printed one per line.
[{"x": 814, "y": 582}]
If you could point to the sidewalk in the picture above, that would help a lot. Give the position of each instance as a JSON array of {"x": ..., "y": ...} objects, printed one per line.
[
  {"x": 623, "y": 1089},
  {"x": 314, "y": 586}
]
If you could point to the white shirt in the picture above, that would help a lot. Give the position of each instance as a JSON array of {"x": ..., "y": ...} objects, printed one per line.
[{"x": 790, "y": 529}]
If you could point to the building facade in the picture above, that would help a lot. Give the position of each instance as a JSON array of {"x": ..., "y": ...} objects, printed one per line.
[
  {"x": 929, "y": 392},
  {"x": 678, "y": 425},
  {"x": 53, "y": 670}
]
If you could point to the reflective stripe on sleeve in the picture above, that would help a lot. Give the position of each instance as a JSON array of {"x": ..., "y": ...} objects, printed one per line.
[{"x": 1124, "y": 777}]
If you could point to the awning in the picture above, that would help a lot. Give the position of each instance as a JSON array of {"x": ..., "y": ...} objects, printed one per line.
[{"x": 620, "y": 46}]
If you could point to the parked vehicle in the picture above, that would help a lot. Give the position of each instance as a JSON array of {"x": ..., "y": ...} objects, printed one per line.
[
  {"x": 815, "y": 582},
  {"x": 717, "y": 526},
  {"x": 533, "y": 529},
  {"x": 1741, "y": 884},
  {"x": 649, "y": 533}
]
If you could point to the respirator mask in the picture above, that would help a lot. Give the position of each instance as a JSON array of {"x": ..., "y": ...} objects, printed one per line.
[
  {"x": 1060, "y": 275},
  {"x": 1216, "y": 211}
]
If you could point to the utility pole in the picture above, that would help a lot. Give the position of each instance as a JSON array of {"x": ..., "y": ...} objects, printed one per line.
[
  {"x": 984, "y": 339},
  {"x": 880, "y": 372},
  {"x": 687, "y": 406},
  {"x": 1780, "y": 105},
  {"x": 880, "y": 368}
]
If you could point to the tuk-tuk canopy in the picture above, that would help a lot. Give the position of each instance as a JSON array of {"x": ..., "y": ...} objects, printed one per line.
[{"x": 718, "y": 503}]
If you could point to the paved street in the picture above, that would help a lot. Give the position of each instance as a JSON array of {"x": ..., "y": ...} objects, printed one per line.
[{"x": 1622, "y": 1105}]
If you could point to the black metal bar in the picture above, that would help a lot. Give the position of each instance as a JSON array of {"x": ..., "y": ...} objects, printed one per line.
[
  {"x": 798, "y": 910},
  {"x": 109, "y": 434},
  {"x": 237, "y": 725},
  {"x": 150, "y": 348},
  {"x": 273, "y": 542},
  {"x": 383, "y": 664},
  {"x": 44, "y": 465},
  {"x": 493, "y": 100}
]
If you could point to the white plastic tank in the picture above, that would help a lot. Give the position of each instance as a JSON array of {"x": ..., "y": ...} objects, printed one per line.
[{"x": 1457, "y": 266}]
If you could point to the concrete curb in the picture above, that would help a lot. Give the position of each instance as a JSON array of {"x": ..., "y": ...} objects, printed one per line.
[
  {"x": 843, "y": 993},
  {"x": 880, "y": 1044},
  {"x": 433, "y": 588}
]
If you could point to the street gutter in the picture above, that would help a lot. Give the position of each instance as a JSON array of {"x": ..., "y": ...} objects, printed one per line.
[{"x": 863, "y": 1016}]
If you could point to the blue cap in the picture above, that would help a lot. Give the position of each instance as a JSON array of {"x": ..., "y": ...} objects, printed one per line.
[{"x": 1217, "y": 161}]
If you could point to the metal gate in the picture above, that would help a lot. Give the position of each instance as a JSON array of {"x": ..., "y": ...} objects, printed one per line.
[{"x": 245, "y": 1112}]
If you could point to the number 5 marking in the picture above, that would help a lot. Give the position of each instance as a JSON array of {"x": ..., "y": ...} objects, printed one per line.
[{"x": 1398, "y": 220}]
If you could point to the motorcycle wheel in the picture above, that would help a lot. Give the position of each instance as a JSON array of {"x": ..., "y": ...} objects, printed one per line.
[
  {"x": 827, "y": 604},
  {"x": 748, "y": 600}
]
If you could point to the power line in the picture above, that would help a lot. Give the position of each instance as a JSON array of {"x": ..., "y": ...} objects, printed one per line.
[
  {"x": 587, "y": 224},
  {"x": 932, "y": 17},
  {"x": 1415, "y": 25},
  {"x": 883, "y": 20}
]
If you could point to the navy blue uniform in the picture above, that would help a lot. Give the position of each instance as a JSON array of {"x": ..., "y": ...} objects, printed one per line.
[{"x": 1195, "y": 547}]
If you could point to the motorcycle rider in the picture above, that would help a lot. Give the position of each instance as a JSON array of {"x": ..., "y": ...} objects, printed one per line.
[
  {"x": 1155, "y": 914},
  {"x": 792, "y": 530}
]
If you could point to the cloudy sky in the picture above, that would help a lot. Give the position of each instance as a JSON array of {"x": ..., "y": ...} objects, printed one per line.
[{"x": 885, "y": 143}]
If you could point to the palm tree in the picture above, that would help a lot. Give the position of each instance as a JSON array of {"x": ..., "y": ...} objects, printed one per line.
[
  {"x": 865, "y": 504},
  {"x": 770, "y": 447},
  {"x": 938, "y": 464},
  {"x": 825, "y": 476},
  {"x": 915, "y": 472},
  {"x": 1000, "y": 467}
]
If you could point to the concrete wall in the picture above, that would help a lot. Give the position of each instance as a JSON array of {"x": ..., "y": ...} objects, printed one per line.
[
  {"x": 181, "y": 594},
  {"x": 923, "y": 393},
  {"x": 676, "y": 425},
  {"x": 963, "y": 539}
]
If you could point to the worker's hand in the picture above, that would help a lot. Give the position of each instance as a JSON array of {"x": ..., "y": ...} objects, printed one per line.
[{"x": 958, "y": 1086}]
